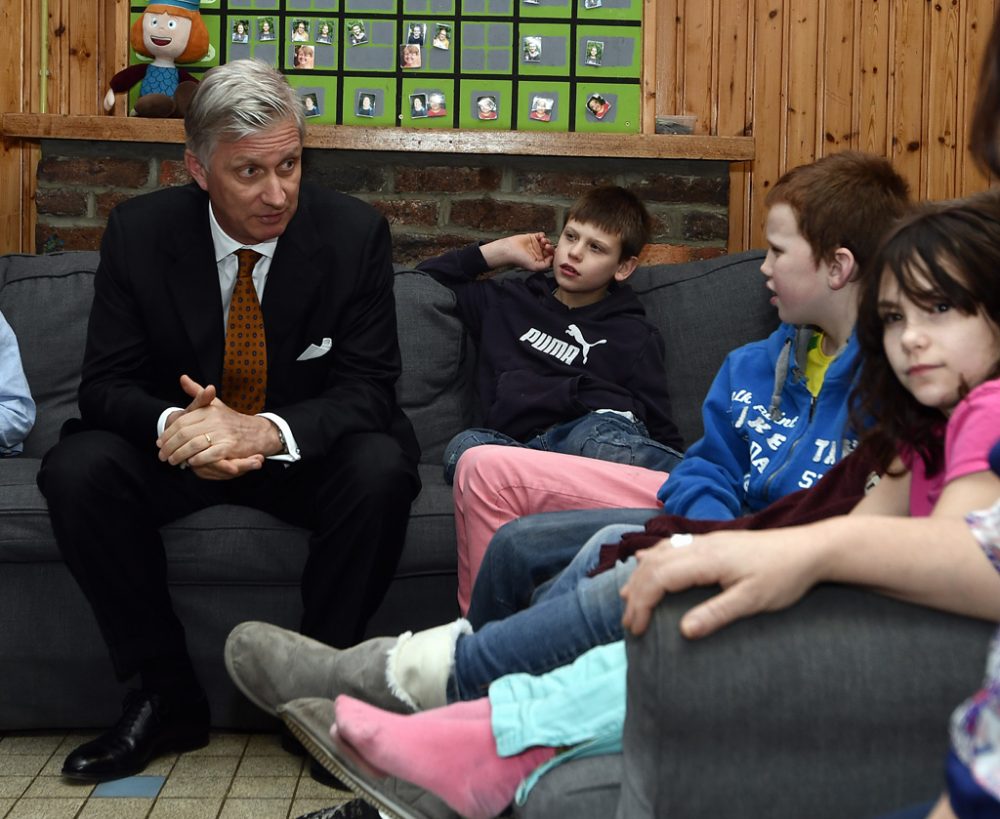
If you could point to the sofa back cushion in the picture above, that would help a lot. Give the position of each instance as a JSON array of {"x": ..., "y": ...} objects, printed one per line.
[
  {"x": 704, "y": 310},
  {"x": 435, "y": 389},
  {"x": 47, "y": 300}
]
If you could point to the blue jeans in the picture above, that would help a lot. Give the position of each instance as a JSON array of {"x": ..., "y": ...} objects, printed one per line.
[
  {"x": 574, "y": 614},
  {"x": 606, "y": 436},
  {"x": 525, "y": 554}
]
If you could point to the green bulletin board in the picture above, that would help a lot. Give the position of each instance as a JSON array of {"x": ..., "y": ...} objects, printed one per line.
[{"x": 538, "y": 65}]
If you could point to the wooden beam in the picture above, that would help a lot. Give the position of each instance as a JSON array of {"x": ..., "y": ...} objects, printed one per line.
[{"x": 354, "y": 138}]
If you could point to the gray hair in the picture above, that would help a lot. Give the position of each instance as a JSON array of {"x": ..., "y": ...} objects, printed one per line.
[{"x": 236, "y": 100}]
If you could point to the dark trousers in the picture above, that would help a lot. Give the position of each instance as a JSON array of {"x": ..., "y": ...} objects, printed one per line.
[{"x": 107, "y": 500}]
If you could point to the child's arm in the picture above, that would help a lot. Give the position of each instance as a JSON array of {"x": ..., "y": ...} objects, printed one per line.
[
  {"x": 530, "y": 251},
  {"x": 942, "y": 809},
  {"x": 708, "y": 483},
  {"x": 17, "y": 408},
  {"x": 932, "y": 561}
]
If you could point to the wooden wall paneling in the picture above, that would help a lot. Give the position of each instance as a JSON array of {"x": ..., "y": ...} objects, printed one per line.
[
  {"x": 837, "y": 124},
  {"x": 649, "y": 58},
  {"x": 769, "y": 74},
  {"x": 13, "y": 19},
  {"x": 908, "y": 98},
  {"x": 802, "y": 106},
  {"x": 82, "y": 36},
  {"x": 942, "y": 114},
  {"x": 698, "y": 86},
  {"x": 874, "y": 68},
  {"x": 669, "y": 56},
  {"x": 114, "y": 51},
  {"x": 57, "y": 81},
  {"x": 735, "y": 24},
  {"x": 975, "y": 27}
]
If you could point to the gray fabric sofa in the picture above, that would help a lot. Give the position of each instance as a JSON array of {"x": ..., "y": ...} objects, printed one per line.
[
  {"x": 837, "y": 707},
  {"x": 229, "y": 564}
]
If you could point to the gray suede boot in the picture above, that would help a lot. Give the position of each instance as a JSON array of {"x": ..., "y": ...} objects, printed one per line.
[
  {"x": 310, "y": 720},
  {"x": 273, "y": 665}
]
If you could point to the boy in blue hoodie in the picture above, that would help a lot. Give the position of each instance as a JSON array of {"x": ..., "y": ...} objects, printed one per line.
[
  {"x": 567, "y": 360},
  {"x": 775, "y": 418}
]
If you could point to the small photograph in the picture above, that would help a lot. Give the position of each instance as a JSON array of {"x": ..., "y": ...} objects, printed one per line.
[
  {"x": 532, "y": 47},
  {"x": 324, "y": 34},
  {"x": 241, "y": 31},
  {"x": 366, "y": 104},
  {"x": 305, "y": 56},
  {"x": 595, "y": 52},
  {"x": 592, "y": 4},
  {"x": 436, "y": 106},
  {"x": 486, "y": 107},
  {"x": 358, "y": 36},
  {"x": 265, "y": 29},
  {"x": 418, "y": 105},
  {"x": 409, "y": 56},
  {"x": 300, "y": 31},
  {"x": 311, "y": 105},
  {"x": 442, "y": 37},
  {"x": 598, "y": 106},
  {"x": 541, "y": 108},
  {"x": 415, "y": 34}
]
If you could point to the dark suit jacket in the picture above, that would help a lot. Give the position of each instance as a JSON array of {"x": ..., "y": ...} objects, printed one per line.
[{"x": 157, "y": 313}]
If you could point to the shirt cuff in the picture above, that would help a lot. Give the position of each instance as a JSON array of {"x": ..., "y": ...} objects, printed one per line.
[
  {"x": 293, "y": 454},
  {"x": 161, "y": 423}
]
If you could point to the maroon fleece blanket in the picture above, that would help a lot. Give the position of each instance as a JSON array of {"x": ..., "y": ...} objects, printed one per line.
[{"x": 836, "y": 494}]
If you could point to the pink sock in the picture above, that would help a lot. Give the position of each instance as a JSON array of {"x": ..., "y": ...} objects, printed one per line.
[{"x": 449, "y": 751}]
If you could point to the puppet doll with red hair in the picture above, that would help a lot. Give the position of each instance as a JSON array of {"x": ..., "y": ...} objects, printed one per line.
[{"x": 171, "y": 32}]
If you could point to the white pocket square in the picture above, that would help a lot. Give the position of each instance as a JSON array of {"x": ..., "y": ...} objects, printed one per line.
[{"x": 316, "y": 350}]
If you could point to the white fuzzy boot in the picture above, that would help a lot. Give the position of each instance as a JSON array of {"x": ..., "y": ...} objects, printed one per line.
[{"x": 418, "y": 666}]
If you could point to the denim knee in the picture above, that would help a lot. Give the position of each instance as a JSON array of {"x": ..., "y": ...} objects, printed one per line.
[{"x": 466, "y": 440}]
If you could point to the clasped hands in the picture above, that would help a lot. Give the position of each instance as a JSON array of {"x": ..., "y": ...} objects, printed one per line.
[
  {"x": 757, "y": 570},
  {"x": 213, "y": 440}
]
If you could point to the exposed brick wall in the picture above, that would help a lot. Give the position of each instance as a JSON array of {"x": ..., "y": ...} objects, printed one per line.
[{"x": 433, "y": 202}]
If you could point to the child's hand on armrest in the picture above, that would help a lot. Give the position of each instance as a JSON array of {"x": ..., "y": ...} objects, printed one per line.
[{"x": 531, "y": 251}]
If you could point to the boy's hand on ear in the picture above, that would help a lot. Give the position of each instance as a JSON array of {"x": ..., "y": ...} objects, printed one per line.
[{"x": 530, "y": 251}]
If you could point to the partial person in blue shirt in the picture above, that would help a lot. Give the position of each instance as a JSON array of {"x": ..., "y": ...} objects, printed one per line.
[{"x": 17, "y": 409}]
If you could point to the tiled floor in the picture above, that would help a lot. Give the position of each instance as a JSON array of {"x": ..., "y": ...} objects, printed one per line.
[{"x": 237, "y": 776}]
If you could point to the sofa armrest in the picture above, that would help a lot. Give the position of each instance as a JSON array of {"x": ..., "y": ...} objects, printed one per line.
[{"x": 836, "y": 707}]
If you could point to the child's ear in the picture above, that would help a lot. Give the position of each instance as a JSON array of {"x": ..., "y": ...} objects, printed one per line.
[
  {"x": 198, "y": 171},
  {"x": 843, "y": 269},
  {"x": 626, "y": 268}
]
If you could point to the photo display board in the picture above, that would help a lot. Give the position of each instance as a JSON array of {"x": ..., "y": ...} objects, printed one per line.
[{"x": 527, "y": 65}]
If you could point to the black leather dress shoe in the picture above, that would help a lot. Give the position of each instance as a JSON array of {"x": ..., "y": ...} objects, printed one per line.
[
  {"x": 355, "y": 809},
  {"x": 150, "y": 725},
  {"x": 316, "y": 771}
]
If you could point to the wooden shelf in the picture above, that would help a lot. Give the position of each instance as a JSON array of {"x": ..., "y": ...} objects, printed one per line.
[{"x": 356, "y": 138}]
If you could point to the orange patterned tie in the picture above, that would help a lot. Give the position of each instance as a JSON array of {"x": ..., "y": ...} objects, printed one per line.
[{"x": 244, "y": 372}]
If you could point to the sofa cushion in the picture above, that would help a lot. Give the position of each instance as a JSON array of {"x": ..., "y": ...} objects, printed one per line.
[
  {"x": 434, "y": 389},
  {"x": 679, "y": 297},
  {"x": 47, "y": 299}
]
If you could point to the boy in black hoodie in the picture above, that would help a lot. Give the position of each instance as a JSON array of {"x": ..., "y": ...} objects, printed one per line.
[{"x": 567, "y": 361}]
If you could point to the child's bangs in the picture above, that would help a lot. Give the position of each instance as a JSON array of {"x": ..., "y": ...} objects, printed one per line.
[{"x": 927, "y": 272}]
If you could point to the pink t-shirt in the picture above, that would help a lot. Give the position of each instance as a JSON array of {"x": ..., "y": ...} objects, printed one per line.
[{"x": 972, "y": 430}]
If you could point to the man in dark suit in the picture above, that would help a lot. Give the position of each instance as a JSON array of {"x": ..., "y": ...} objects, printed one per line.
[{"x": 242, "y": 349}]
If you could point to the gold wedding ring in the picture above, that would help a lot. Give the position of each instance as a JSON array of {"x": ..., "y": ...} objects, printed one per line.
[{"x": 208, "y": 438}]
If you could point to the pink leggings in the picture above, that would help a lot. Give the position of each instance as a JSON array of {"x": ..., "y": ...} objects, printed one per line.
[{"x": 497, "y": 484}]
